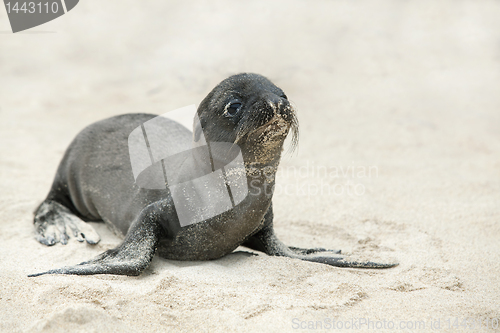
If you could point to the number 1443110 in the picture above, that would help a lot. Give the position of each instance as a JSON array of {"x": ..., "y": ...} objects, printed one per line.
[{"x": 32, "y": 7}]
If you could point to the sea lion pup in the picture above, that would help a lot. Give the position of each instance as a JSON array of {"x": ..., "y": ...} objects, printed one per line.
[{"x": 95, "y": 182}]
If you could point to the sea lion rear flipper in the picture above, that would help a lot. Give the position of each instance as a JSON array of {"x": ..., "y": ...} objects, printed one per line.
[
  {"x": 55, "y": 223},
  {"x": 131, "y": 257},
  {"x": 265, "y": 240},
  {"x": 301, "y": 250}
]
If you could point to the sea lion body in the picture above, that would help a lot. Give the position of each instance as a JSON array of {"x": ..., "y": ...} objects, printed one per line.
[
  {"x": 95, "y": 182},
  {"x": 95, "y": 174}
]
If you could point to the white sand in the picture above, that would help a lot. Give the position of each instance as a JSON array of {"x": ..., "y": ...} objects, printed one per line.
[{"x": 412, "y": 88}]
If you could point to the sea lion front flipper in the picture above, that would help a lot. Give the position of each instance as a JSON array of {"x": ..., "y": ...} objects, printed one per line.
[
  {"x": 265, "y": 240},
  {"x": 131, "y": 257}
]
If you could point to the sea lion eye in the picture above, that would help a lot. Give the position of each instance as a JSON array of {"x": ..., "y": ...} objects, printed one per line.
[
  {"x": 284, "y": 96},
  {"x": 232, "y": 109}
]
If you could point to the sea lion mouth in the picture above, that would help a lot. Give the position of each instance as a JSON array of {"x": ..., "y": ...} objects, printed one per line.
[
  {"x": 282, "y": 121},
  {"x": 277, "y": 126}
]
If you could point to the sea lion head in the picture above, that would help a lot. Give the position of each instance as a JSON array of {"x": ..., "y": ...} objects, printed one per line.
[{"x": 251, "y": 112}]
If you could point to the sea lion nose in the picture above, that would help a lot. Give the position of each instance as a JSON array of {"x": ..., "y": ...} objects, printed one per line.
[
  {"x": 284, "y": 109},
  {"x": 271, "y": 105},
  {"x": 276, "y": 104}
]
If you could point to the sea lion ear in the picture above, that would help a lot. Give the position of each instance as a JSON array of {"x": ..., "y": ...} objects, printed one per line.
[
  {"x": 197, "y": 133},
  {"x": 197, "y": 129}
]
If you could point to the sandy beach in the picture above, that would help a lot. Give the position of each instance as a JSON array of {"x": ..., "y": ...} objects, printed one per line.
[{"x": 398, "y": 159}]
